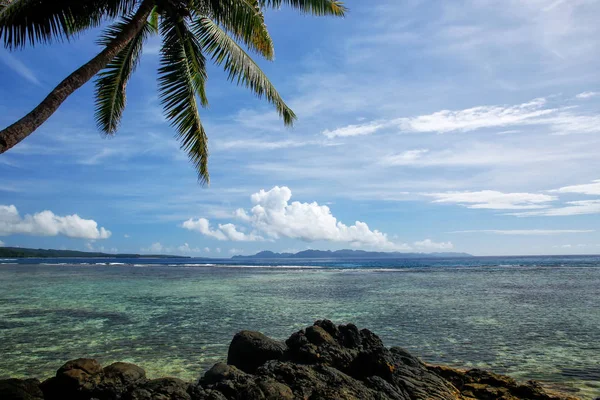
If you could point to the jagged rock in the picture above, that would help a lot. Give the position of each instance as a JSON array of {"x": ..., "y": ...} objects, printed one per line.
[
  {"x": 322, "y": 362},
  {"x": 20, "y": 389},
  {"x": 249, "y": 350}
]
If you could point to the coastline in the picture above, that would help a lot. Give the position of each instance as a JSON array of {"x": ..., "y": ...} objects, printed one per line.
[{"x": 323, "y": 361}]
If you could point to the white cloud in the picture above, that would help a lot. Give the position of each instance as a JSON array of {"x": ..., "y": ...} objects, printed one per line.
[
  {"x": 494, "y": 200},
  {"x": 19, "y": 67},
  {"x": 471, "y": 119},
  {"x": 274, "y": 215},
  {"x": 354, "y": 130},
  {"x": 560, "y": 120},
  {"x": 218, "y": 249},
  {"x": 2, "y": 244},
  {"x": 582, "y": 207},
  {"x": 223, "y": 232},
  {"x": 428, "y": 244},
  {"x": 185, "y": 248},
  {"x": 46, "y": 223},
  {"x": 589, "y": 188},
  {"x": 126, "y": 236},
  {"x": 257, "y": 145},
  {"x": 482, "y": 154},
  {"x": 207, "y": 249},
  {"x": 527, "y": 232},
  {"x": 408, "y": 157},
  {"x": 587, "y": 95},
  {"x": 154, "y": 248}
]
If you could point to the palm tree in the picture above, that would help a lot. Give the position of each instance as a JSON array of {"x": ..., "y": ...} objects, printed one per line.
[{"x": 191, "y": 31}]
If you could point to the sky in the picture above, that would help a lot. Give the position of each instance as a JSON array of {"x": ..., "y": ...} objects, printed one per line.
[{"x": 424, "y": 126}]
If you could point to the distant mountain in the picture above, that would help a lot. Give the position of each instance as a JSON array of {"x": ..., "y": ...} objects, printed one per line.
[
  {"x": 349, "y": 254},
  {"x": 20, "y": 252}
]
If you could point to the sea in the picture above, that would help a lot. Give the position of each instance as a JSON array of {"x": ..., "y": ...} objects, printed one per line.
[{"x": 528, "y": 317}]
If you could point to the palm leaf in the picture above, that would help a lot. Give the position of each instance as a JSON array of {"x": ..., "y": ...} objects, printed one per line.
[
  {"x": 238, "y": 64},
  {"x": 4, "y": 4},
  {"x": 153, "y": 20},
  {"x": 182, "y": 74},
  {"x": 314, "y": 7},
  {"x": 42, "y": 21},
  {"x": 112, "y": 81},
  {"x": 243, "y": 19}
]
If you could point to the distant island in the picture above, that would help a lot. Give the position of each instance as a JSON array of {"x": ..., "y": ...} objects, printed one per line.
[
  {"x": 20, "y": 252},
  {"x": 348, "y": 254}
]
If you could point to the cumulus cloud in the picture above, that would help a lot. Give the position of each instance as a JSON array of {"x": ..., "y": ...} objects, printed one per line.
[
  {"x": 154, "y": 248},
  {"x": 589, "y": 188},
  {"x": 185, "y": 248},
  {"x": 274, "y": 215},
  {"x": 223, "y": 232},
  {"x": 527, "y": 232},
  {"x": 2, "y": 243},
  {"x": 46, "y": 223},
  {"x": 560, "y": 120},
  {"x": 494, "y": 200}
]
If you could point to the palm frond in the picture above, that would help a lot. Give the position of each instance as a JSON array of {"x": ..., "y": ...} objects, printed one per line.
[
  {"x": 42, "y": 21},
  {"x": 182, "y": 74},
  {"x": 314, "y": 7},
  {"x": 112, "y": 81},
  {"x": 154, "y": 18},
  {"x": 239, "y": 65},
  {"x": 4, "y": 4},
  {"x": 243, "y": 19}
]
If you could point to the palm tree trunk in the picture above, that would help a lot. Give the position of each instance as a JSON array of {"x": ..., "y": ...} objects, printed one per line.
[{"x": 18, "y": 131}]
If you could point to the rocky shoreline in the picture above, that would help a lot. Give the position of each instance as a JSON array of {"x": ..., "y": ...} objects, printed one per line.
[{"x": 322, "y": 362}]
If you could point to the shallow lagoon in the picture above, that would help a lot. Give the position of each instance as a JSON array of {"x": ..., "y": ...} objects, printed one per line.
[{"x": 532, "y": 320}]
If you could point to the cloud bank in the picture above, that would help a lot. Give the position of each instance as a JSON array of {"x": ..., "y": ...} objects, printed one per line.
[
  {"x": 46, "y": 223},
  {"x": 275, "y": 216}
]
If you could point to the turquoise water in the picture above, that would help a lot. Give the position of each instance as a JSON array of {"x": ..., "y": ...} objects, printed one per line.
[{"x": 533, "y": 318}]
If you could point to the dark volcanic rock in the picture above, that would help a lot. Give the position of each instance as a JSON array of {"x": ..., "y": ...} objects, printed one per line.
[
  {"x": 321, "y": 362},
  {"x": 160, "y": 389},
  {"x": 249, "y": 350},
  {"x": 20, "y": 389}
]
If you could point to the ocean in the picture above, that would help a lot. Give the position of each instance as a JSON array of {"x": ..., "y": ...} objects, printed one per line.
[{"x": 528, "y": 317}]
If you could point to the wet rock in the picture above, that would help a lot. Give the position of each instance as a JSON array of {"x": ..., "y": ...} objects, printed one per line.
[
  {"x": 20, "y": 389},
  {"x": 249, "y": 350}
]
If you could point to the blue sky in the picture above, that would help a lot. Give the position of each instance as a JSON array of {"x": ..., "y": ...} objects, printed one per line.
[{"x": 423, "y": 126}]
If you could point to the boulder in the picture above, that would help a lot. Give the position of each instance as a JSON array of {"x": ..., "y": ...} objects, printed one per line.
[
  {"x": 249, "y": 350},
  {"x": 160, "y": 389},
  {"x": 322, "y": 362},
  {"x": 117, "y": 379},
  {"x": 20, "y": 389}
]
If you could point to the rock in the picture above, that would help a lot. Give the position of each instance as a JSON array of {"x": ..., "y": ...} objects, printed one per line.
[
  {"x": 249, "y": 350},
  {"x": 322, "y": 362},
  {"x": 117, "y": 379},
  {"x": 160, "y": 389},
  {"x": 20, "y": 389},
  {"x": 75, "y": 380}
]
